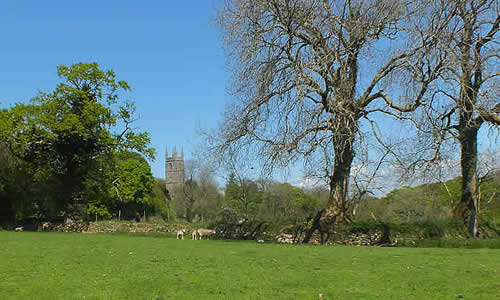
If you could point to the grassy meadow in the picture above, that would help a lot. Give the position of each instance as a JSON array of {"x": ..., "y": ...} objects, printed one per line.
[{"x": 119, "y": 266}]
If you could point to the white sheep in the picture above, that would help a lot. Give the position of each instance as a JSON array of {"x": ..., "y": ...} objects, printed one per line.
[
  {"x": 205, "y": 232},
  {"x": 180, "y": 233}
]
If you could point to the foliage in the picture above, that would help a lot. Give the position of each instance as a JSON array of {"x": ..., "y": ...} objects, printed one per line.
[
  {"x": 159, "y": 201},
  {"x": 97, "y": 210},
  {"x": 265, "y": 200},
  {"x": 124, "y": 183},
  {"x": 431, "y": 202},
  {"x": 63, "y": 142},
  {"x": 489, "y": 198},
  {"x": 285, "y": 203},
  {"x": 244, "y": 197},
  {"x": 253, "y": 207},
  {"x": 132, "y": 183}
]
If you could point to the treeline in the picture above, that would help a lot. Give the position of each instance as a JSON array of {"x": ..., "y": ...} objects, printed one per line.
[
  {"x": 239, "y": 201},
  {"x": 432, "y": 202},
  {"x": 242, "y": 200},
  {"x": 73, "y": 153}
]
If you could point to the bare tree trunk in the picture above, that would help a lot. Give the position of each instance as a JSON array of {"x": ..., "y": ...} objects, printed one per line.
[
  {"x": 315, "y": 225},
  {"x": 189, "y": 216},
  {"x": 467, "y": 135},
  {"x": 336, "y": 208},
  {"x": 468, "y": 208},
  {"x": 480, "y": 24}
]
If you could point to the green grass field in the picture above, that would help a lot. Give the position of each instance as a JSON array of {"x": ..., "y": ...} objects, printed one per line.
[{"x": 102, "y": 266}]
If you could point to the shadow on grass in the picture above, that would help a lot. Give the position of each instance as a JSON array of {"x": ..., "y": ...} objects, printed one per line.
[{"x": 466, "y": 244}]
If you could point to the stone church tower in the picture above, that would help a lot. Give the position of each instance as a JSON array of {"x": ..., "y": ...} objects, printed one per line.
[{"x": 174, "y": 171}]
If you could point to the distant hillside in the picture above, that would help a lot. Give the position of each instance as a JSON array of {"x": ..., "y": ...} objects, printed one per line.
[{"x": 431, "y": 202}]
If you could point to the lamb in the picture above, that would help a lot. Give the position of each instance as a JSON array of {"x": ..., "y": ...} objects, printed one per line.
[
  {"x": 180, "y": 233},
  {"x": 19, "y": 229},
  {"x": 205, "y": 232}
]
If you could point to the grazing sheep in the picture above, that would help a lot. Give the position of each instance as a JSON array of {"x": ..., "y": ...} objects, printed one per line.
[
  {"x": 205, "y": 232},
  {"x": 180, "y": 233},
  {"x": 194, "y": 235},
  {"x": 260, "y": 241},
  {"x": 19, "y": 229}
]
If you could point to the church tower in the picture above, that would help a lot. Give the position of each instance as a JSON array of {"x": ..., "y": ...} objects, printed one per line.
[{"x": 174, "y": 171}]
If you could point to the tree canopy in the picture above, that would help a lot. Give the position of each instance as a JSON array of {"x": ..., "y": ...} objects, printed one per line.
[{"x": 63, "y": 137}]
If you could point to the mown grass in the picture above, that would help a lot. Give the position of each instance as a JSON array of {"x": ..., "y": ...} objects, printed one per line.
[{"x": 104, "y": 266}]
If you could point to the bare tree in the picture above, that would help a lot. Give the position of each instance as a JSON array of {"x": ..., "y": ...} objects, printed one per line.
[
  {"x": 210, "y": 199},
  {"x": 190, "y": 190},
  {"x": 307, "y": 72},
  {"x": 199, "y": 196},
  {"x": 238, "y": 165},
  {"x": 468, "y": 95}
]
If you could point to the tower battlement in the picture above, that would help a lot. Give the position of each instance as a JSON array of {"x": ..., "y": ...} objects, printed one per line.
[{"x": 174, "y": 171}]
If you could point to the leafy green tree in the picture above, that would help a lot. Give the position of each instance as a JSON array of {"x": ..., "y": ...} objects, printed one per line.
[
  {"x": 243, "y": 196},
  {"x": 160, "y": 205},
  {"x": 429, "y": 202},
  {"x": 286, "y": 203},
  {"x": 63, "y": 137},
  {"x": 232, "y": 191},
  {"x": 9, "y": 192},
  {"x": 99, "y": 210},
  {"x": 133, "y": 183},
  {"x": 26, "y": 182}
]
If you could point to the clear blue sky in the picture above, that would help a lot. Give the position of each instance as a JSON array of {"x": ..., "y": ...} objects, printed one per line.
[{"x": 168, "y": 51}]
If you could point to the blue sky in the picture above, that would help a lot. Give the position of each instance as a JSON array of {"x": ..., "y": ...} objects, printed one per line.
[{"x": 168, "y": 51}]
